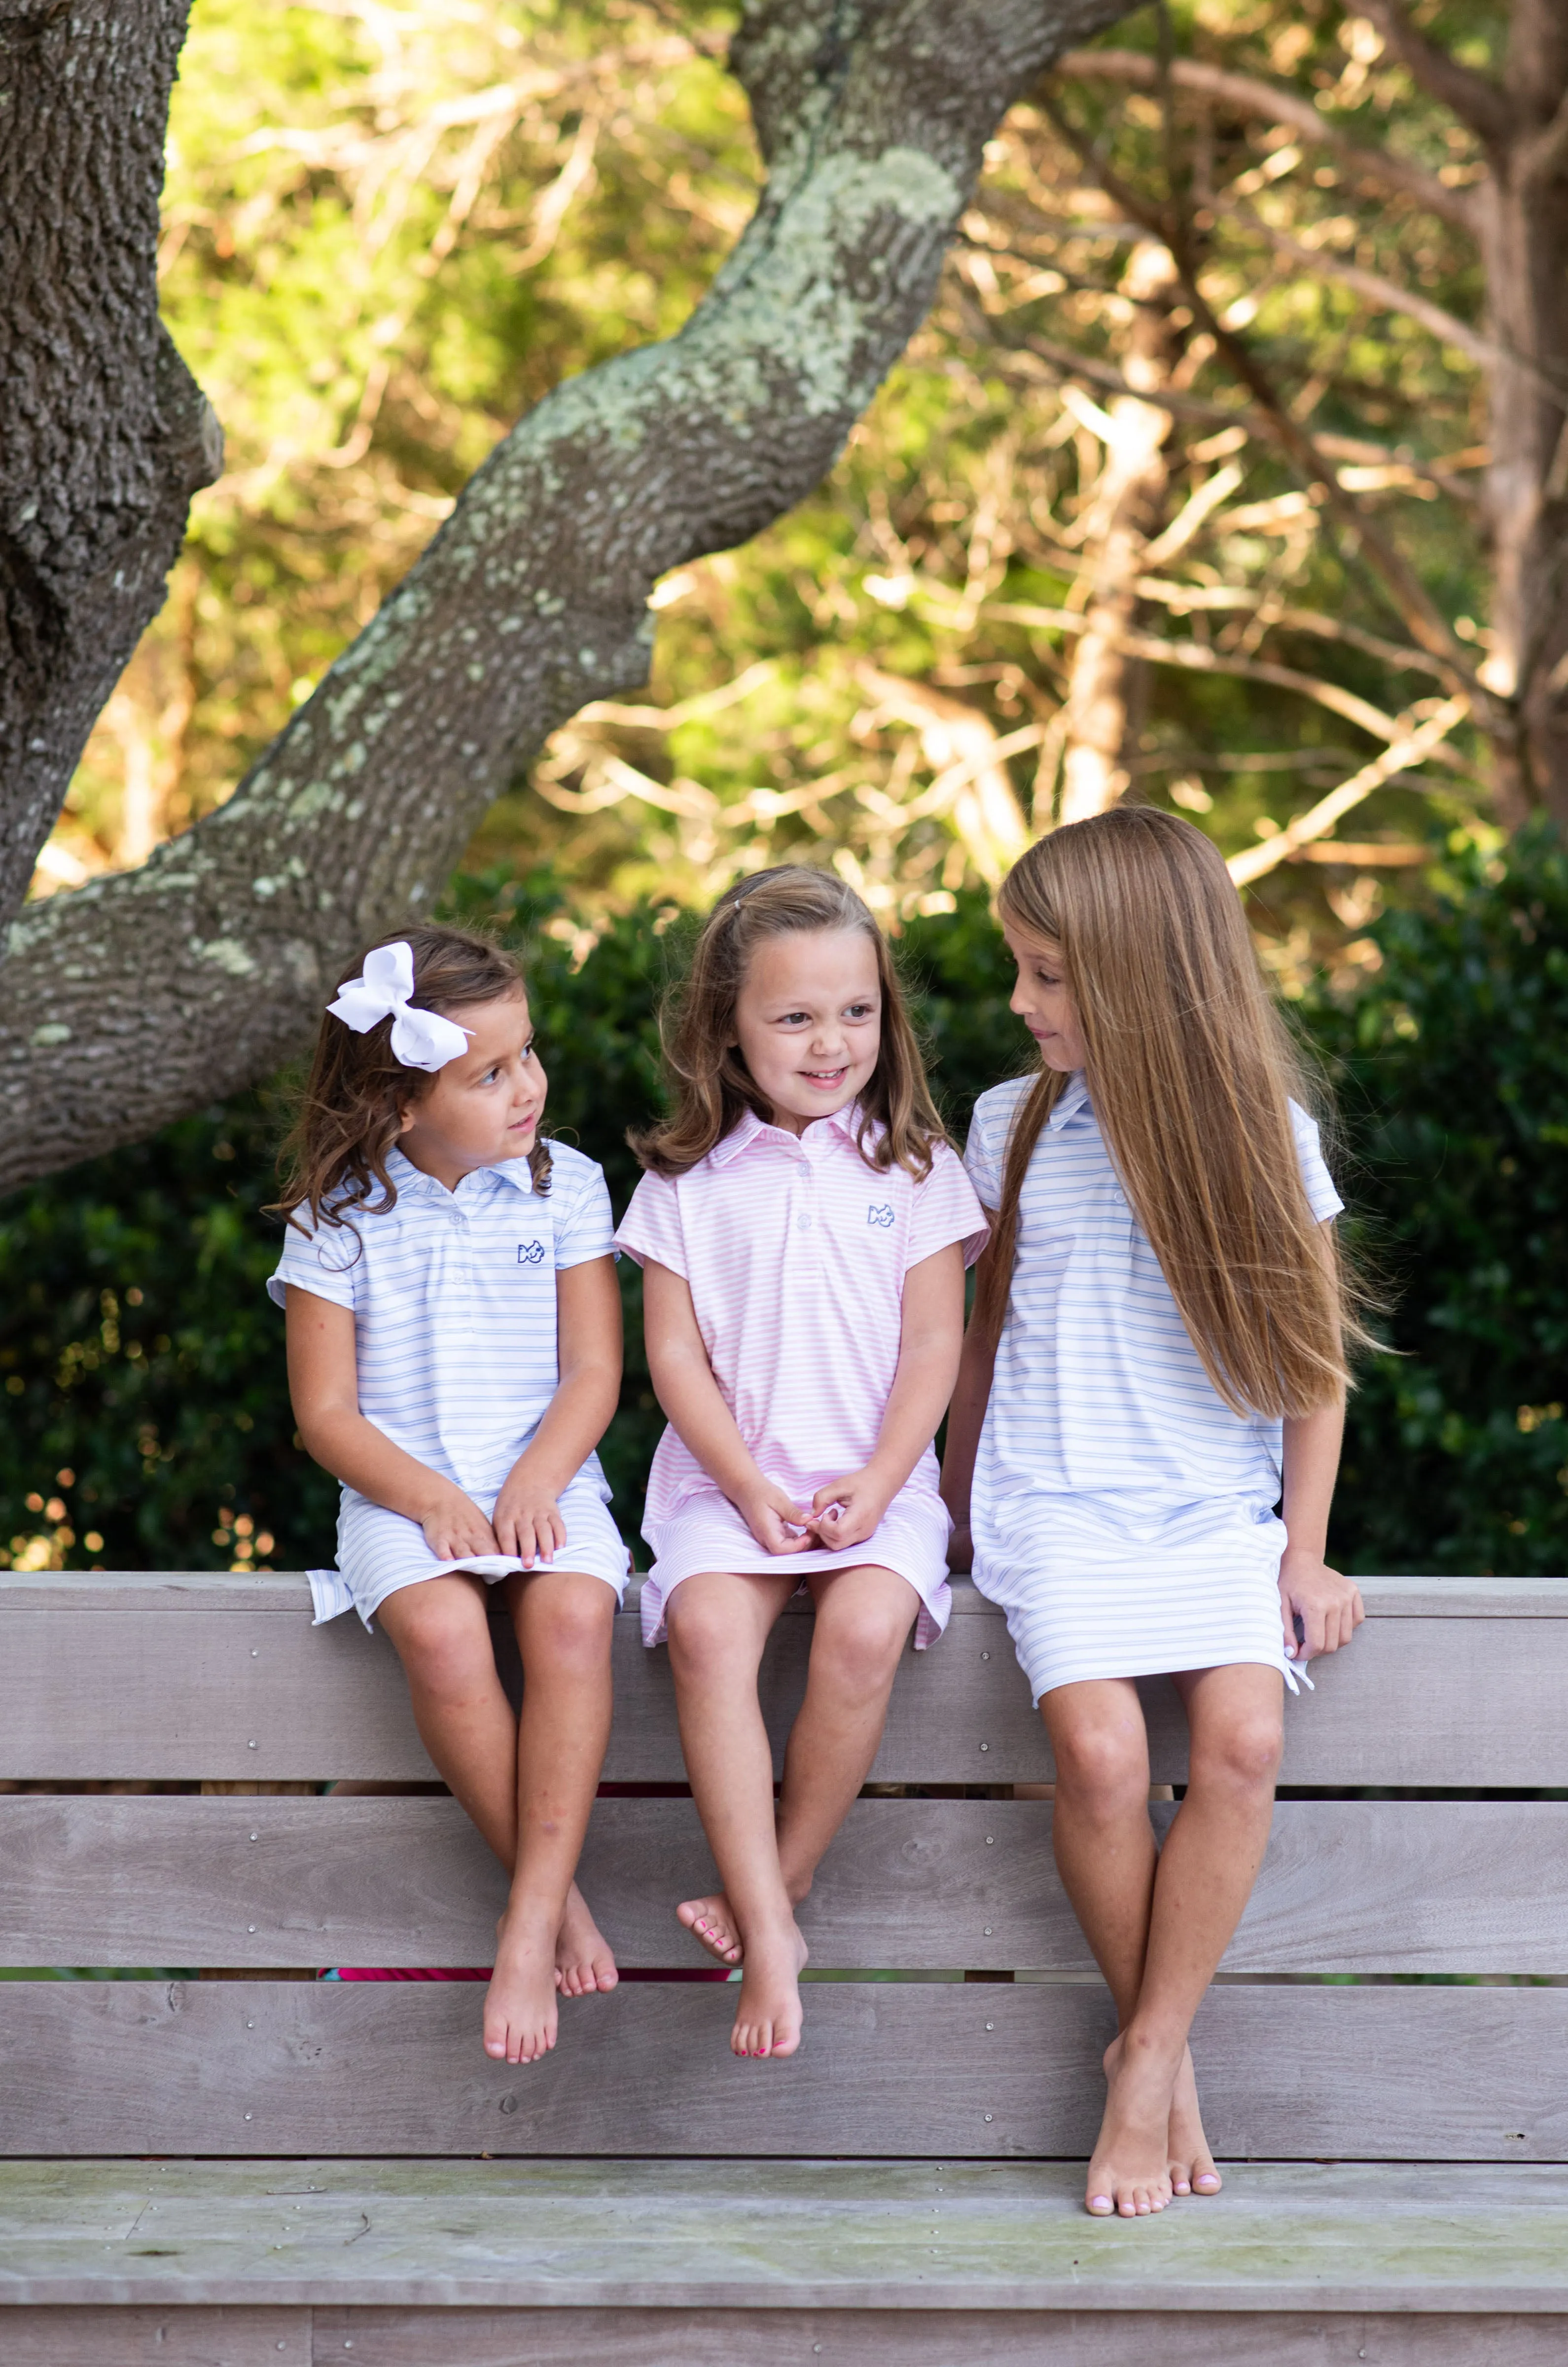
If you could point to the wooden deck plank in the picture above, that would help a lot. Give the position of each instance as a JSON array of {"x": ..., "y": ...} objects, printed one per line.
[
  {"x": 188, "y": 1679},
  {"x": 780, "y": 2338},
  {"x": 1347, "y": 1886},
  {"x": 249, "y": 2335},
  {"x": 775, "y": 2338},
  {"x": 999, "y": 2070},
  {"x": 909, "y": 2236},
  {"x": 100, "y": 1590}
]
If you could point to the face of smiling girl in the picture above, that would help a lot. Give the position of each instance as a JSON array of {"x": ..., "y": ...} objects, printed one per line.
[
  {"x": 809, "y": 1022},
  {"x": 485, "y": 1106},
  {"x": 1042, "y": 1001}
]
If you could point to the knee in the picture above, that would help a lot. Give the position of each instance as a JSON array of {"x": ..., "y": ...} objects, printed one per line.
[
  {"x": 573, "y": 1630},
  {"x": 1244, "y": 1756},
  {"x": 445, "y": 1648},
  {"x": 1102, "y": 1765},
  {"x": 860, "y": 1646},
  {"x": 703, "y": 1642}
]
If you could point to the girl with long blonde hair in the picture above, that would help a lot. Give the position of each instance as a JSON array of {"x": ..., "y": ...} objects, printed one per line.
[
  {"x": 803, "y": 1225},
  {"x": 1157, "y": 1355}
]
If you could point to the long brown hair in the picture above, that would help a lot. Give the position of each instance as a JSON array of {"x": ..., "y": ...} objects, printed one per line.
[
  {"x": 711, "y": 1085},
  {"x": 1190, "y": 1071},
  {"x": 350, "y": 1110}
]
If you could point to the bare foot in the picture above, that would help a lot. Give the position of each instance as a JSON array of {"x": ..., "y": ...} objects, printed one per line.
[
  {"x": 710, "y": 1920},
  {"x": 583, "y": 1959},
  {"x": 1129, "y": 2172},
  {"x": 767, "y": 2014},
  {"x": 1193, "y": 2167},
  {"x": 519, "y": 2004}
]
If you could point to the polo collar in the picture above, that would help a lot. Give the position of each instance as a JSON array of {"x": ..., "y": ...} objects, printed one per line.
[
  {"x": 1072, "y": 1103},
  {"x": 739, "y": 1138},
  {"x": 751, "y": 1127},
  {"x": 414, "y": 1182}
]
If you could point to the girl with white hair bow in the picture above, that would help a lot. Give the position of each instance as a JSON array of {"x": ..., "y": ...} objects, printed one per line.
[{"x": 453, "y": 1359}]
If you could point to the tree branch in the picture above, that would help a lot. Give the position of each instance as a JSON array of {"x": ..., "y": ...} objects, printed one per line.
[
  {"x": 532, "y": 597},
  {"x": 1476, "y": 101},
  {"x": 1249, "y": 96},
  {"x": 1197, "y": 657},
  {"x": 1539, "y": 155},
  {"x": 1422, "y": 619},
  {"x": 1447, "y": 326},
  {"x": 1059, "y": 362},
  {"x": 1415, "y": 741}
]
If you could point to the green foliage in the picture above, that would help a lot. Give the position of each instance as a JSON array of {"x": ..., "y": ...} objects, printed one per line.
[
  {"x": 1451, "y": 1064},
  {"x": 143, "y": 1377},
  {"x": 140, "y": 1356}
]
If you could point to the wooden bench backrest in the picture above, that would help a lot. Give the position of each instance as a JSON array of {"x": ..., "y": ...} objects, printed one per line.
[{"x": 1454, "y": 1687}]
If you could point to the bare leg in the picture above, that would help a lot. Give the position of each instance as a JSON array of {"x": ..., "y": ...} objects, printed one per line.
[
  {"x": 1191, "y": 1897},
  {"x": 563, "y": 1620},
  {"x": 718, "y": 1625},
  {"x": 863, "y": 1619},
  {"x": 441, "y": 1631},
  {"x": 1207, "y": 1869},
  {"x": 1105, "y": 1854}
]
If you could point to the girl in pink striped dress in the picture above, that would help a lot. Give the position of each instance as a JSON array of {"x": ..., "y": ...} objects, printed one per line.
[{"x": 803, "y": 1225}]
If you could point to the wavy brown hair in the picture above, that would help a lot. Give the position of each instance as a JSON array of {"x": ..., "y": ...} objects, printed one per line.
[
  {"x": 351, "y": 1109},
  {"x": 711, "y": 1085},
  {"x": 1190, "y": 1071}
]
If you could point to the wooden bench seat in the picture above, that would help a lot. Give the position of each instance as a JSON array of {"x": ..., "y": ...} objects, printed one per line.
[
  {"x": 491, "y": 2262},
  {"x": 261, "y": 2169}
]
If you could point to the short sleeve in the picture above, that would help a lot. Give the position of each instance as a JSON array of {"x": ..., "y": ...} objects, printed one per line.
[
  {"x": 946, "y": 1210},
  {"x": 651, "y": 1230},
  {"x": 1322, "y": 1197},
  {"x": 985, "y": 1150},
  {"x": 583, "y": 1228},
  {"x": 326, "y": 1260}
]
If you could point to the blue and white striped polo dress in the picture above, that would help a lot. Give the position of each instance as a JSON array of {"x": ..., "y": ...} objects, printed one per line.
[
  {"x": 1121, "y": 1514},
  {"x": 453, "y": 1296}
]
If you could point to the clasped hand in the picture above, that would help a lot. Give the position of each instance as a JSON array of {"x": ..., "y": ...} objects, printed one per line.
[{"x": 843, "y": 1513}]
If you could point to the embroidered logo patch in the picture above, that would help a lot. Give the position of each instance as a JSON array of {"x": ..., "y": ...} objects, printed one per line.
[
  {"x": 880, "y": 1213},
  {"x": 530, "y": 1252}
]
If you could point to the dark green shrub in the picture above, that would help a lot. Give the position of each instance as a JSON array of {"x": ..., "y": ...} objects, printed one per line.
[{"x": 1451, "y": 1067}]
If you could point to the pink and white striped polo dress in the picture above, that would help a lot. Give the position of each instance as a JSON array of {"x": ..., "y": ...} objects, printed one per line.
[{"x": 795, "y": 1249}]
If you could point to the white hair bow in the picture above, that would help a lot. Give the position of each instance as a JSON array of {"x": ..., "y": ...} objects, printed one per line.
[{"x": 421, "y": 1039}]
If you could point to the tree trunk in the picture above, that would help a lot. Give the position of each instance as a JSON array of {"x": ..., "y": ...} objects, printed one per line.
[
  {"x": 1128, "y": 505},
  {"x": 106, "y": 435},
  {"x": 1523, "y": 226},
  {"x": 137, "y": 998}
]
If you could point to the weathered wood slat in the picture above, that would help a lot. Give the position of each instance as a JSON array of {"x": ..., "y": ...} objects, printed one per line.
[
  {"x": 905, "y": 2338},
  {"x": 1349, "y": 1885},
  {"x": 251, "y": 2335},
  {"x": 226, "y": 1679},
  {"x": 667, "y": 2236},
  {"x": 774, "y": 2338},
  {"x": 244, "y": 2068},
  {"x": 100, "y": 1590}
]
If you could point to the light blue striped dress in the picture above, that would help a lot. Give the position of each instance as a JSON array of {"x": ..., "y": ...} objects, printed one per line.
[
  {"x": 453, "y": 1296},
  {"x": 1123, "y": 1515}
]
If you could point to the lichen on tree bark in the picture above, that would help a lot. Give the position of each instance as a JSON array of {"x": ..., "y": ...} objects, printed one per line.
[{"x": 139, "y": 997}]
